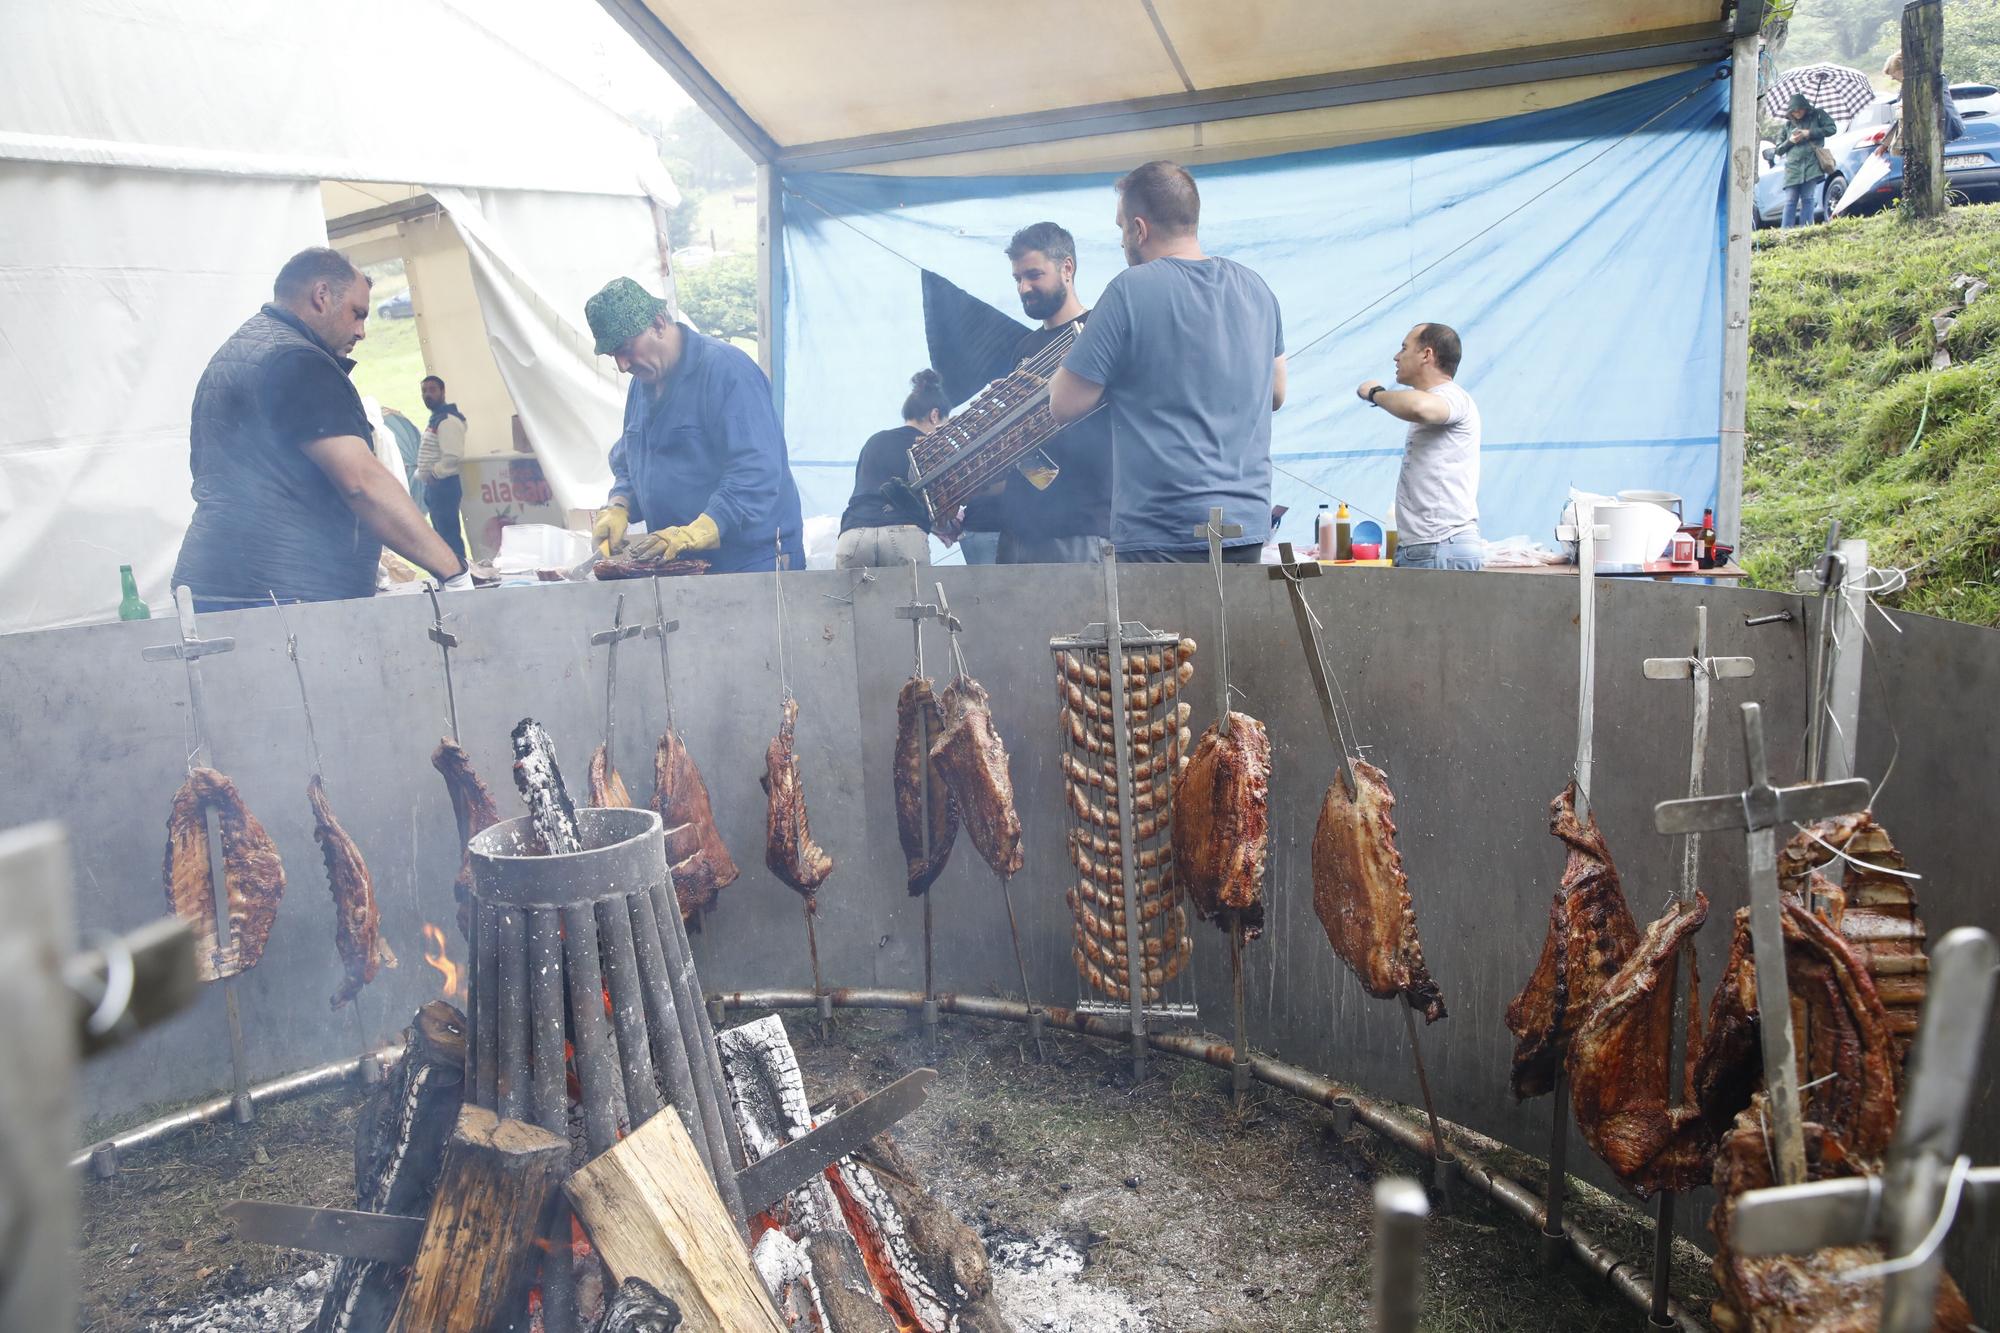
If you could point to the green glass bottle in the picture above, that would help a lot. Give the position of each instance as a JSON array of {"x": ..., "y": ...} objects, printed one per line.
[{"x": 131, "y": 608}]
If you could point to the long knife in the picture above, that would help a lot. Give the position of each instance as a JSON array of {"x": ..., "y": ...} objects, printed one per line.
[{"x": 392, "y": 1238}]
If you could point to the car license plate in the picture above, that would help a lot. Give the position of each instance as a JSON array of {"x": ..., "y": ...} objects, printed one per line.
[{"x": 1960, "y": 161}]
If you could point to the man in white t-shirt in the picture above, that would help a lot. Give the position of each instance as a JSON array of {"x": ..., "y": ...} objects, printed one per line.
[{"x": 1437, "y": 493}]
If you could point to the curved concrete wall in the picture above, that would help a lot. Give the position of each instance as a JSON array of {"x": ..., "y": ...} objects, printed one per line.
[{"x": 1463, "y": 688}]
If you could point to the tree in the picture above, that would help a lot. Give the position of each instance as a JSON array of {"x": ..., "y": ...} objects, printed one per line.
[
  {"x": 697, "y": 152},
  {"x": 681, "y": 223},
  {"x": 1972, "y": 41},
  {"x": 720, "y": 296}
]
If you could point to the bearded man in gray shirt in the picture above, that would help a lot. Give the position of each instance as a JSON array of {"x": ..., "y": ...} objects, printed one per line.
[{"x": 1437, "y": 493}]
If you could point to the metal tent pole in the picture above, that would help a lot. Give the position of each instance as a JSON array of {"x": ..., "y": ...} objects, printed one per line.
[{"x": 1741, "y": 187}]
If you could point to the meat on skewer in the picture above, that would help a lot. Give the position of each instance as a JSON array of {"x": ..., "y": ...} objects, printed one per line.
[
  {"x": 789, "y": 849},
  {"x": 1362, "y": 896},
  {"x": 1221, "y": 823},
  {"x": 253, "y": 876},
  {"x": 472, "y": 805},
  {"x": 918, "y": 717},
  {"x": 700, "y": 862},
  {"x": 1848, "y": 1096},
  {"x": 357, "y": 922},
  {"x": 1618, "y": 1062},
  {"x": 973, "y": 760},
  {"x": 1591, "y": 934},
  {"x": 607, "y": 789}
]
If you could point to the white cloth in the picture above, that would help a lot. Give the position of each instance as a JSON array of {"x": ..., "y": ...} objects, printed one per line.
[{"x": 1437, "y": 493}]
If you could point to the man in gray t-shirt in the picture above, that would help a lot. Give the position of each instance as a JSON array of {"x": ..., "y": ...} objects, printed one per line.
[
  {"x": 1187, "y": 354},
  {"x": 1437, "y": 493}
]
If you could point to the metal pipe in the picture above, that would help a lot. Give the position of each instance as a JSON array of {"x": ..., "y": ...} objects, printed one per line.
[
  {"x": 511, "y": 1069},
  {"x": 663, "y": 1024},
  {"x": 704, "y": 1060},
  {"x": 218, "y": 1108},
  {"x": 1622, "y": 1275},
  {"x": 591, "y": 1034},
  {"x": 628, "y": 1009},
  {"x": 486, "y": 998},
  {"x": 550, "y": 1093}
]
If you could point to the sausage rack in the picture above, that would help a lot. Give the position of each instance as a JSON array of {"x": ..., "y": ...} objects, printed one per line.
[{"x": 1106, "y": 799}]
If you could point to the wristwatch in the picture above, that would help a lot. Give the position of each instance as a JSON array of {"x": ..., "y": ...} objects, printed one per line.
[{"x": 1372, "y": 392}]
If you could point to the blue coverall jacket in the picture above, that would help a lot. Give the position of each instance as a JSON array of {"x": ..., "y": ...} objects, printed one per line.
[{"x": 709, "y": 442}]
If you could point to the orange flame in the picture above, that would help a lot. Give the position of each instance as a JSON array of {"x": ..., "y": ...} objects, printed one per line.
[{"x": 453, "y": 985}]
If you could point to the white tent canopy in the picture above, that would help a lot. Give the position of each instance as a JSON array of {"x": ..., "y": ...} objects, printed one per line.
[{"x": 158, "y": 162}]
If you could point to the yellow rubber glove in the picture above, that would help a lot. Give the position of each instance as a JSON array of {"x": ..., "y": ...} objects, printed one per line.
[
  {"x": 609, "y": 531},
  {"x": 672, "y": 543}
]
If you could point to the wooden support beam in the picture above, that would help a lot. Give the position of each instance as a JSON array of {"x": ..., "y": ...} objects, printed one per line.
[
  {"x": 1923, "y": 108},
  {"x": 653, "y": 1213},
  {"x": 479, "y": 1255}
]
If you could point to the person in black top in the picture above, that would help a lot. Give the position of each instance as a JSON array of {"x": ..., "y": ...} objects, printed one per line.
[
  {"x": 1067, "y": 523},
  {"x": 885, "y": 523},
  {"x": 289, "y": 498}
]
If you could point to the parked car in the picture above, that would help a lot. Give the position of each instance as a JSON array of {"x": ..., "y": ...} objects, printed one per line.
[
  {"x": 1971, "y": 167},
  {"x": 397, "y": 307},
  {"x": 1976, "y": 102}
]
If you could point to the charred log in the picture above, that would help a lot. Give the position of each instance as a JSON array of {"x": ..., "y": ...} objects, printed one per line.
[
  {"x": 398, "y": 1151},
  {"x": 637, "y": 1308}
]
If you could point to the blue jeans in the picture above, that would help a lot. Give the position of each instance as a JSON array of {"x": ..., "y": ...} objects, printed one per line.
[
  {"x": 980, "y": 548},
  {"x": 1802, "y": 202},
  {"x": 1465, "y": 551},
  {"x": 441, "y": 497}
]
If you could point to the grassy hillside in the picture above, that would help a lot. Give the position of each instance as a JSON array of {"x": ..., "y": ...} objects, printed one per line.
[{"x": 1847, "y": 420}]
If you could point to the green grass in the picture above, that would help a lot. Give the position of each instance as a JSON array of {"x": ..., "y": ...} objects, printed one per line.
[
  {"x": 1848, "y": 420},
  {"x": 389, "y": 362}
]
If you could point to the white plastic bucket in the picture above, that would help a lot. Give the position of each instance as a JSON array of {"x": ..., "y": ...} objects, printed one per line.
[{"x": 1639, "y": 532}]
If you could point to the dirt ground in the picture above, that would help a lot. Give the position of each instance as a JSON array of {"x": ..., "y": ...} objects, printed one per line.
[{"x": 1204, "y": 1220}]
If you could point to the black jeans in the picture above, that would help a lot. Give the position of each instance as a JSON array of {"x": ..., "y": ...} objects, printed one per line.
[
  {"x": 1196, "y": 555},
  {"x": 441, "y": 497}
]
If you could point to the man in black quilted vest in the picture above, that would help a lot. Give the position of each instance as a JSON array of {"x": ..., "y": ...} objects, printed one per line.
[{"x": 290, "y": 499}]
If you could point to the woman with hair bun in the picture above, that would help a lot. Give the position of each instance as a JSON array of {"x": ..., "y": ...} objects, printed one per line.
[{"x": 886, "y": 523}]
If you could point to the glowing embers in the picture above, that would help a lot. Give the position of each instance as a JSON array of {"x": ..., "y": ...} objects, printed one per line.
[{"x": 861, "y": 1243}]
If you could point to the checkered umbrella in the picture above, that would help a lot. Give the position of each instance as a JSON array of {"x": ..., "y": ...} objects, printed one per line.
[{"x": 1835, "y": 89}]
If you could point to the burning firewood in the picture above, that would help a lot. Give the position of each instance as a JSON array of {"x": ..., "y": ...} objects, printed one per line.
[{"x": 398, "y": 1151}]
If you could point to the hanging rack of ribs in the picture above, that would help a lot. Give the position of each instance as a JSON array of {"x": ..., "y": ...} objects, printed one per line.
[
  {"x": 789, "y": 849},
  {"x": 918, "y": 717},
  {"x": 607, "y": 789},
  {"x": 970, "y": 756},
  {"x": 357, "y": 923},
  {"x": 1155, "y": 669},
  {"x": 1591, "y": 934},
  {"x": 252, "y": 874},
  {"x": 472, "y": 806},
  {"x": 701, "y": 864},
  {"x": 1221, "y": 823},
  {"x": 1848, "y": 1059},
  {"x": 1362, "y": 896}
]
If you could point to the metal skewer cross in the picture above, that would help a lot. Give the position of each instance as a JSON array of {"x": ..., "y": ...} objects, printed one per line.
[
  {"x": 1910, "y": 1207},
  {"x": 917, "y": 612},
  {"x": 1586, "y": 532},
  {"x": 189, "y": 650},
  {"x": 1758, "y": 811},
  {"x": 369, "y": 1069},
  {"x": 618, "y": 633},
  {"x": 1702, "y": 670},
  {"x": 660, "y": 629},
  {"x": 446, "y": 641},
  {"x": 1293, "y": 571},
  {"x": 954, "y": 628},
  {"x": 1239, "y": 1073}
]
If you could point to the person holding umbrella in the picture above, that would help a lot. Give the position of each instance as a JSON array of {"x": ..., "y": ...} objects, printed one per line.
[{"x": 1804, "y": 149}]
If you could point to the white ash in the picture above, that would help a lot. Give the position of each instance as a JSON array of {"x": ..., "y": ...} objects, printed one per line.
[
  {"x": 1038, "y": 1283},
  {"x": 279, "y": 1308}
]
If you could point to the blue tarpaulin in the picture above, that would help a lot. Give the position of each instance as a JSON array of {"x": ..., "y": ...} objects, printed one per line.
[{"x": 1578, "y": 252}]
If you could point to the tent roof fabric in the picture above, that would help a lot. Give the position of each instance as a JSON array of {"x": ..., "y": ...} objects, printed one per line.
[
  {"x": 947, "y": 89},
  {"x": 268, "y": 91}
]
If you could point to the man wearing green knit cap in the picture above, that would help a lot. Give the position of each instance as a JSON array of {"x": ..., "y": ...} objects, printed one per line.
[{"x": 701, "y": 460}]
